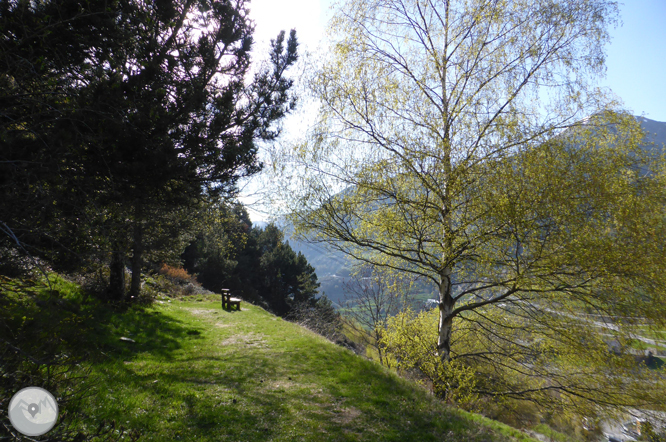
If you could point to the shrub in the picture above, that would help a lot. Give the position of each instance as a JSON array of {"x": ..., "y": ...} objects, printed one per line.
[
  {"x": 177, "y": 274},
  {"x": 408, "y": 341},
  {"x": 320, "y": 317}
]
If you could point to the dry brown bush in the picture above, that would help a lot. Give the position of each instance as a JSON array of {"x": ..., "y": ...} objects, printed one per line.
[{"x": 177, "y": 274}]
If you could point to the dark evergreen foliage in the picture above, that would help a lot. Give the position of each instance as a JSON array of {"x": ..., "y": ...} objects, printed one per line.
[
  {"x": 265, "y": 269},
  {"x": 114, "y": 115}
]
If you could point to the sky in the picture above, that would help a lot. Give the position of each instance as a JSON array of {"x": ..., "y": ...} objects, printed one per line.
[
  {"x": 636, "y": 56},
  {"x": 636, "y": 62},
  {"x": 308, "y": 17}
]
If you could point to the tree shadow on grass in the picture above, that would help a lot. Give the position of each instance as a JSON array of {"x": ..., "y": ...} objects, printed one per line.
[
  {"x": 46, "y": 322},
  {"x": 140, "y": 330},
  {"x": 54, "y": 336}
]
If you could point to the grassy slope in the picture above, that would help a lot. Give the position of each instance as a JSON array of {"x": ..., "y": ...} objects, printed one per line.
[{"x": 197, "y": 372}]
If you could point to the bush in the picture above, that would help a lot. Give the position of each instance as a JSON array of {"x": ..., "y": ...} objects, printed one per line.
[
  {"x": 408, "y": 342},
  {"x": 320, "y": 317},
  {"x": 177, "y": 274}
]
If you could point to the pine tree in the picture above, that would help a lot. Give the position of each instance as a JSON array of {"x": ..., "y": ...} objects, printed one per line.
[{"x": 136, "y": 110}]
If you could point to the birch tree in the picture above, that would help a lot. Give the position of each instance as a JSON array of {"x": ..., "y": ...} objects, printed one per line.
[{"x": 464, "y": 142}]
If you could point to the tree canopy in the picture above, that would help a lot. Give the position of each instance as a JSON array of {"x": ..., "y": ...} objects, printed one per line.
[
  {"x": 464, "y": 142},
  {"x": 117, "y": 114}
]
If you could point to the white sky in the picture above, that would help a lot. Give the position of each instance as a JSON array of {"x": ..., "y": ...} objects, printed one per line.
[
  {"x": 272, "y": 16},
  {"x": 636, "y": 60},
  {"x": 309, "y": 18}
]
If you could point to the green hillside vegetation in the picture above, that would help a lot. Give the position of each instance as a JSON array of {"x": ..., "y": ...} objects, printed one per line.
[{"x": 197, "y": 372}]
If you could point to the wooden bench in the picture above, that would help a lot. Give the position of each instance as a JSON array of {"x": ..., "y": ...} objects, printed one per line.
[{"x": 228, "y": 301}]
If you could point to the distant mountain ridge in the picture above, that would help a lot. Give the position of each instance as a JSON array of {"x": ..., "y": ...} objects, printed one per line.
[
  {"x": 656, "y": 131},
  {"x": 332, "y": 267}
]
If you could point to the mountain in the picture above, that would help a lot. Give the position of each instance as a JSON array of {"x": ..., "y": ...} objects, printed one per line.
[
  {"x": 656, "y": 132},
  {"x": 332, "y": 267}
]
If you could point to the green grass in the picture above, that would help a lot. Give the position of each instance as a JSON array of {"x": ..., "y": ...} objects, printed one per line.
[
  {"x": 197, "y": 372},
  {"x": 551, "y": 434},
  {"x": 640, "y": 345}
]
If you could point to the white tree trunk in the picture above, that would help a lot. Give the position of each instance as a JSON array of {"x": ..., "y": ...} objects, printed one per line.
[{"x": 446, "y": 304}]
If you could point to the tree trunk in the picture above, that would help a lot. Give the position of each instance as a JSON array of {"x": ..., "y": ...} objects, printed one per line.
[
  {"x": 446, "y": 304},
  {"x": 378, "y": 346},
  {"x": 446, "y": 301},
  {"x": 136, "y": 261},
  {"x": 117, "y": 275}
]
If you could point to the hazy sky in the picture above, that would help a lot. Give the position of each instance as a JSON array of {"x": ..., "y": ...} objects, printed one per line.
[
  {"x": 308, "y": 17},
  {"x": 636, "y": 62}
]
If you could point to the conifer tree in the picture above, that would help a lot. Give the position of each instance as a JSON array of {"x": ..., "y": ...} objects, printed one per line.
[{"x": 134, "y": 110}]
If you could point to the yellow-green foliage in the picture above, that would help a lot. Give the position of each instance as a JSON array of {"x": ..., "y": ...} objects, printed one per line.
[
  {"x": 501, "y": 360},
  {"x": 409, "y": 341},
  {"x": 532, "y": 213}
]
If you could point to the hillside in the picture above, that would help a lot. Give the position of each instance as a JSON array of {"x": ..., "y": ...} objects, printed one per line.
[
  {"x": 332, "y": 267},
  {"x": 656, "y": 131},
  {"x": 197, "y": 372},
  {"x": 333, "y": 270}
]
